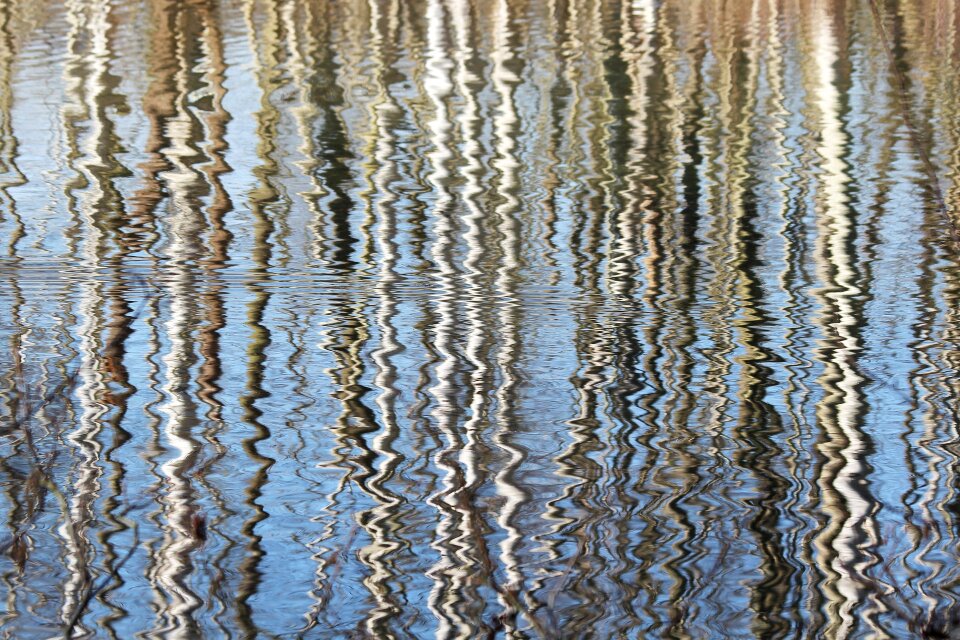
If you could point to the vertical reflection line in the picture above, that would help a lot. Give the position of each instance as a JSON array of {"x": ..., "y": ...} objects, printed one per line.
[
  {"x": 18, "y": 401},
  {"x": 12, "y": 176},
  {"x": 327, "y": 144},
  {"x": 264, "y": 47},
  {"x": 729, "y": 373},
  {"x": 921, "y": 561},
  {"x": 948, "y": 400},
  {"x": 358, "y": 419},
  {"x": 299, "y": 21},
  {"x": 335, "y": 153},
  {"x": 472, "y": 150},
  {"x": 638, "y": 31},
  {"x": 545, "y": 34},
  {"x": 368, "y": 71},
  {"x": 549, "y": 539},
  {"x": 215, "y": 260},
  {"x": 843, "y": 478},
  {"x": 672, "y": 260},
  {"x": 564, "y": 102},
  {"x": 580, "y": 507},
  {"x": 347, "y": 332},
  {"x": 459, "y": 530},
  {"x": 117, "y": 387},
  {"x": 627, "y": 43},
  {"x": 159, "y": 104},
  {"x": 354, "y": 329},
  {"x": 588, "y": 461},
  {"x": 169, "y": 180},
  {"x": 931, "y": 405},
  {"x": 936, "y": 459},
  {"x": 306, "y": 69},
  {"x": 948, "y": 406},
  {"x": 86, "y": 64},
  {"x": 99, "y": 204},
  {"x": 794, "y": 281},
  {"x": 736, "y": 375},
  {"x": 785, "y": 526},
  {"x": 181, "y": 252},
  {"x": 506, "y": 130},
  {"x": 381, "y": 521},
  {"x": 638, "y": 23},
  {"x": 16, "y": 388},
  {"x": 948, "y": 102},
  {"x": 324, "y": 146},
  {"x": 758, "y": 423}
]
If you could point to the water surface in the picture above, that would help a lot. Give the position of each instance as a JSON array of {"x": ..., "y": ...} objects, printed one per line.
[{"x": 479, "y": 318}]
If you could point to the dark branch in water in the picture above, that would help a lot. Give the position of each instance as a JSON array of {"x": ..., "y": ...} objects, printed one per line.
[
  {"x": 325, "y": 594},
  {"x": 91, "y": 590},
  {"x": 941, "y": 624},
  {"x": 41, "y": 478}
]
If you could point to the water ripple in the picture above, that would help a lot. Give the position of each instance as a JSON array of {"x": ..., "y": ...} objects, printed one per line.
[{"x": 462, "y": 318}]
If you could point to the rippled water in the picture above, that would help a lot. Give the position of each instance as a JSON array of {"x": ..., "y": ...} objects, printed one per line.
[{"x": 479, "y": 318}]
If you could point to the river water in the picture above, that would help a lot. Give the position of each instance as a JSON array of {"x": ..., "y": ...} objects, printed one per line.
[{"x": 479, "y": 318}]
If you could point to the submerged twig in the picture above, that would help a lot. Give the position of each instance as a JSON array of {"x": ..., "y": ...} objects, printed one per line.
[
  {"x": 325, "y": 593},
  {"x": 943, "y": 623},
  {"x": 41, "y": 477},
  {"x": 92, "y": 590},
  {"x": 510, "y": 596},
  {"x": 561, "y": 583}
]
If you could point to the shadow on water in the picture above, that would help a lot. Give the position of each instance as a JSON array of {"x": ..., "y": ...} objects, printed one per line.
[{"x": 461, "y": 318}]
